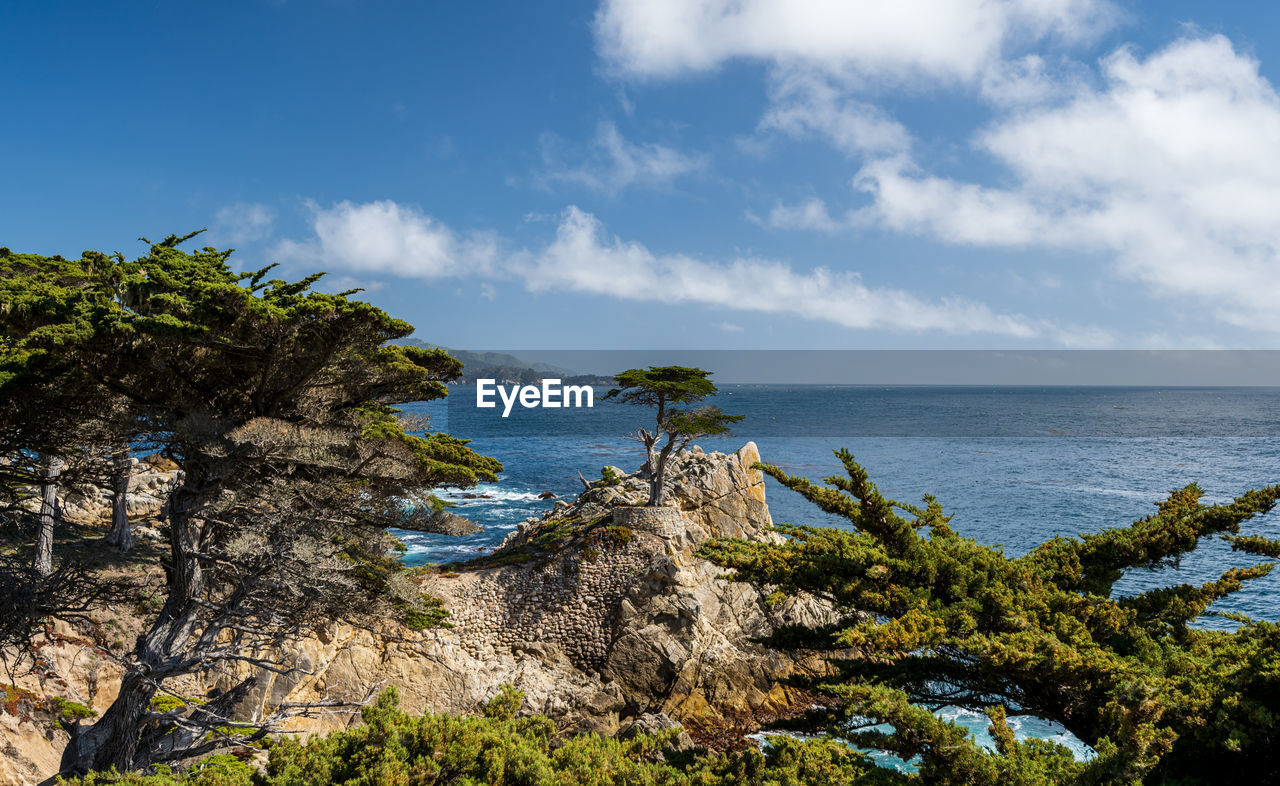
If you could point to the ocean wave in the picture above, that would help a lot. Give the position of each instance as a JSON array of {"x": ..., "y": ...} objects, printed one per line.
[
  {"x": 439, "y": 553},
  {"x": 489, "y": 494}
]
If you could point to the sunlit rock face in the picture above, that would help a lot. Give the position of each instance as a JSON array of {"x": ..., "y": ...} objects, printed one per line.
[{"x": 607, "y": 621}]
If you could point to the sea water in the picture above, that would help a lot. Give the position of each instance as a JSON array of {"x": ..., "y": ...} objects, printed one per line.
[{"x": 1013, "y": 466}]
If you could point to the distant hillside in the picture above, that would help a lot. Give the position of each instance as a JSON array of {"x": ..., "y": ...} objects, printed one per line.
[{"x": 509, "y": 369}]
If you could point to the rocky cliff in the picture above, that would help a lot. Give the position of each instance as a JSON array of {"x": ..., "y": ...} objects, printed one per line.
[{"x": 599, "y": 611}]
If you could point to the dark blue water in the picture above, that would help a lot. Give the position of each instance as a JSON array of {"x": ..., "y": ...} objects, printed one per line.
[{"x": 1014, "y": 466}]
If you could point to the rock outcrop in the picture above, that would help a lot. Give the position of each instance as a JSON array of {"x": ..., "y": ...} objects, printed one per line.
[
  {"x": 600, "y": 611},
  {"x": 446, "y": 522},
  {"x": 604, "y": 619},
  {"x": 150, "y": 481}
]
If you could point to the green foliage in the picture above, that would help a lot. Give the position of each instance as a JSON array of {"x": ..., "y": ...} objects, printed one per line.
[
  {"x": 500, "y": 747},
  {"x": 609, "y": 476},
  {"x": 215, "y": 770},
  {"x": 935, "y": 619},
  {"x": 281, "y": 403},
  {"x": 620, "y": 535},
  {"x": 556, "y": 532},
  {"x": 705, "y": 421},
  {"x": 664, "y": 388},
  {"x": 71, "y": 710},
  {"x": 506, "y": 705},
  {"x": 430, "y": 614},
  {"x": 662, "y": 385},
  {"x": 788, "y": 761},
  {"x": 29, "y": 705},
  {"x": 19, "y": 701},
  {"x": 514, "y": 555}
]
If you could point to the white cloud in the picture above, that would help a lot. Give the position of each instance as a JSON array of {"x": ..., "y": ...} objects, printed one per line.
[
  {"x": 387, "y": 238},
  {"x": 828, "y": 58},
  {"x": 807, "y": 103},
  {"x": 1030, "y": 80},
  {"x": 390, "y": 238},
  {"x": 243, "y": 222},
  {"x": 1169, "y": 167},
  {"x": 810, "y": 214},
  {"x": 612, "y": 163},
  {"x": 937, "y": 39},
  {"x": 584, "y": 258},
  {"x": 730, "y": 327}
]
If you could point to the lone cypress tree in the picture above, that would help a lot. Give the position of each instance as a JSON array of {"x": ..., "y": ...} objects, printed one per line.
[
  {"x": 933, "y": 619},
  {"x": 665, "y": 388}
]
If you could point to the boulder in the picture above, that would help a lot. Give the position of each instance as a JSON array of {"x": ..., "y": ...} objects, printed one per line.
[
  {"x": 160, "y": 462},
  {"x": 447, "y": 522}
]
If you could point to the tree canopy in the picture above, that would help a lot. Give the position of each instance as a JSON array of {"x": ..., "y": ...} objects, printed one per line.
[
  {"x": 54, "y": 424},
  {"x": 279, "y": 403},
  {"x": 934, "y": 619},
  {"x": 665, "y": 388}
]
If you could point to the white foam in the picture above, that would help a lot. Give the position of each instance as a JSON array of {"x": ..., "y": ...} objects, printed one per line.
[{"x": 490, "y": 494}]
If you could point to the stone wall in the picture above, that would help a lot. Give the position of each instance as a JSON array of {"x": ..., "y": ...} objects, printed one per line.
[
  {"x": 571, "y": 600},
  {"x": 665, "y": 522}
]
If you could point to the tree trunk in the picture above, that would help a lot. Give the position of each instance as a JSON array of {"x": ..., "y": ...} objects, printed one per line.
[
  {"x": 659, "y": 474},
  {"x": 50, "y": 469},
  {"x": 657, "y": 462},
  {"x": 113, "y": 741},
  {"x": 120, "y": 535},
  {"x": 648, "y": 440}
]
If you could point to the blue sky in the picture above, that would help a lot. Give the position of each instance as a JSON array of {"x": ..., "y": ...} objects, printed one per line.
[{"x": 680, "y": 173}]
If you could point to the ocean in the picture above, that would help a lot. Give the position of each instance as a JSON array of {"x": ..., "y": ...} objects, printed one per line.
[{"x": 1014, "y": 466}]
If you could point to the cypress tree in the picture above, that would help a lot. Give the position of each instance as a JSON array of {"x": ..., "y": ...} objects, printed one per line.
[
  {"x": 665, "y": 388},
  {"x": 279, "y": 402},
  {"x": 934, "y": 619}
]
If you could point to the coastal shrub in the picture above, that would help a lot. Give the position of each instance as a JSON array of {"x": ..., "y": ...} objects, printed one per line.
[
  {"x": 621, "y": 535},
  {"x": 216, "y": 770},
  {"x": 28, "y": 705},
  {"x": 19, "y": 701},
  {"x": 931, "y": 619},
  {"x": 71, "y": 710},
  {"x": 432, "y": 614},
  {"x": 501, "y": 748},
  {"x": 167, "y": 703},
  {"x": 514, "y": 555},
  {"x": 394, "y": 747},
  {"x": 552, "y": 535}
]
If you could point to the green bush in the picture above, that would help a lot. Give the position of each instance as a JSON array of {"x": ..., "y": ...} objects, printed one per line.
[
  {"x": 393, "y": 747},
  {"x": 71, "y": 710},
  {"x": 216, "y": 770}
]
